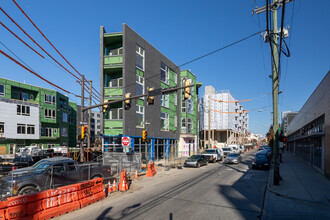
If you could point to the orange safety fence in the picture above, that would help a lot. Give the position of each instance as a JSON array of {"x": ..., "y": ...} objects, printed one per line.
[{"x": 54, "y": 202}]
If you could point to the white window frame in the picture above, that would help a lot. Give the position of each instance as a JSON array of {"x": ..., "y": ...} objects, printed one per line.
[
  {"x": 140, "y": 52},
  {"x": 165, "y": 100},
  {"x": 22, "y": 126},
  {"x": 119, "y": 82},
  {"x": 184, "y": 105},
  {"x": 175, "y": 99},
  {"x": 167, "y": 121},
  {"x": 140, "y": 80},
  {"x": 190, "y": 106},
  {"x": 175, "y": 77},
  {"x": 4, "y": 90},
  {"x": 51, "y": 114},
  {"x": 166, "y": 70},
  {"x": 183, "y": 125},
  {"x": 118, "y": 113},
  {"x": 49, "y": 99},
  {"x": 190, "y": 122},
  {"x": 29, "y": 127},
  {"x": 140, "y": 110},
  {"x": 175, "y": 121},
  {"x": 25, "y": 112}
]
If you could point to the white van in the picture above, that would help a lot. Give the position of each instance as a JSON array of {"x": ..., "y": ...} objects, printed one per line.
[
  {"x": 227, "y": 150},
  {"x": 235, "y": 148}
]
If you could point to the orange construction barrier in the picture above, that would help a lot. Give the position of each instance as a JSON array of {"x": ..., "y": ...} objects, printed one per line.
[
  {"x": 250, "y": 148},
  {"x": 114, "y": 186},
  {"x": 124, "y": 184},
  {"x": 92, "y": 199},
  {"x": 109, "y": 188},
  {"x": 136, "y": 174},
  {"x": 151, "y": 170},
  {"x": 56, "y": 211}
]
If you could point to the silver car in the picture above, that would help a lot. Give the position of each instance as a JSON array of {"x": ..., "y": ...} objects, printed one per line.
[{"x": 233, "y": 158}]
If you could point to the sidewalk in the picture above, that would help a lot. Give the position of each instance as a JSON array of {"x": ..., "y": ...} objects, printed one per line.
[
  {"x": 300, "y": 181},
  {"x": 303, "y": 193}
]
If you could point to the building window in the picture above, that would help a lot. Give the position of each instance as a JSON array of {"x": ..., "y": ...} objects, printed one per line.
[
  {"x": 2, "y": 128},
  {"x": 116, "y": 82},
  {"x": 164, "y": 121},
  {"x": 165, "y": 101},
  {"x": 23, "y": 96},
  {"x": 50, "y": 99},
  {"x": 71, "y": 120},
  {"x": 190, "y": 107},
  {"x": 139, "y": 85},
  {"x": 140, "y": 57},
  {"x": 50, "y": 146},
  {"x": 50, "y": 114},
  {"x": 20, "y": 129},
  {"x": 64, "y": 132},
  {"x": 183, "y": 125},
  {"x": 54, "y": 130},
  {"x": 98, "y": 115},
  {"x": 30, "y": 129},
  {"x": 2, "y": 90},
  {"x": 175, "y": 78},
  {"x": 183, "y": 106},
  {"x": 63, "y": 103},
  {"x": 98, "y": 121},
  {"x": 98, "y": 127},
  {"x": 175, "y": 121},
  {"x": 113, "y": 52},
  {"x": 164, "y": 73},
  {"x": 48, "y": 132},
  {"x": 175, "y": 99},
  {"x": 189, "y": 125},
  {"x": 115, "y": 114},
  {"x": 23, "y": 110},
  {"x": 139, "y": 116},
  {"x": 65, "y": 117}
]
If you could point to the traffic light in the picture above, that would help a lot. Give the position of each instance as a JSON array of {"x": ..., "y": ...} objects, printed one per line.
[
  {"x": 187, "y": 89},
  {"x": 83, "y": 131},
  {"x": 105, "y": 107},
  {"x": 144, "y": 135},
  {"x": 127, "y": 102},
  {"x": 151, "y": 99}
]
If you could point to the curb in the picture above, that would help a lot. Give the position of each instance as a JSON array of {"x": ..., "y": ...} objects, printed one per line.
[{"x": 271, "y": 190}]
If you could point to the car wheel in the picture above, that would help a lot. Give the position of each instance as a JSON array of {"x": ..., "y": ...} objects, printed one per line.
[
  {"x": 27, "y": 190},
  {"x": 198, "y": 165}
]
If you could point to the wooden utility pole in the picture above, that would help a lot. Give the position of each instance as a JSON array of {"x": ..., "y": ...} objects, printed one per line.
[
  {"x": 89, "y": 116},
  {"x": 273, "y": 38},
  {"x": 82, "y": 116}
]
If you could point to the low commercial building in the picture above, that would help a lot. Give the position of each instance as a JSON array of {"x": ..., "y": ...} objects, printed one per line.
[
  {"x": 31, "y": 115},
  {"x": 309, "y": 131}
]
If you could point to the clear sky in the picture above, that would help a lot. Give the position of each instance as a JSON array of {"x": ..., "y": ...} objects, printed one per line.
[{"x": 182, "y": 30}]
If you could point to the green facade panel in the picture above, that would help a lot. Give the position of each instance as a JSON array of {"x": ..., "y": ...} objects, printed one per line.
[
  {"x": 109, "y": 60},
  {"x": 113, "y": 92}
]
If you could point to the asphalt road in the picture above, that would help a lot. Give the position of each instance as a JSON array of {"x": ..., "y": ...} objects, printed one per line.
[{"x": 216, "y": 191}]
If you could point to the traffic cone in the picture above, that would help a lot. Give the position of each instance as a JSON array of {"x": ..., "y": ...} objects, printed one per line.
[
  {"x": 114, "y": 186},
  {"x": 136, "y": 174},
  {"x": 109, "y": 188}
]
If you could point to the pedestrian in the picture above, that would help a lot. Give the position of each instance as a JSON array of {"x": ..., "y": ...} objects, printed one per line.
[{"x": 281, "y": 148}]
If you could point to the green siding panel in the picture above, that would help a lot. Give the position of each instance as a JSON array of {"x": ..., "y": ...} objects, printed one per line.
[
  {"x": 108, "y": 60},
  {"x": 113, "y": 92},
  {"x": 113, "y": 124}
]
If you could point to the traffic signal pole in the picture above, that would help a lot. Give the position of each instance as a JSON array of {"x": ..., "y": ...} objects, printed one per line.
[{"x": 82, "y": 116}]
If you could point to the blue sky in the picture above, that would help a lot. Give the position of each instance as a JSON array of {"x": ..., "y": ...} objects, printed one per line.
[{"x": 182, "y": 30}]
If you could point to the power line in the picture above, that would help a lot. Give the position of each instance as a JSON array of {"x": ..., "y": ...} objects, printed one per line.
[
  {"x": 49, "y": 41},
  {"x": 229, "y": 45}
]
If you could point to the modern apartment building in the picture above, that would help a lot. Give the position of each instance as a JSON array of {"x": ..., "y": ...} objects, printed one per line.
[
  {"x": 31, "y": 115},
  {"x": 309, "y": 131},
  {"x": 222, "y": 118},
  {"x": 129, "y": 64},
  {"x": 189, "y": 117},
  {"x": 287, "y": 117}
]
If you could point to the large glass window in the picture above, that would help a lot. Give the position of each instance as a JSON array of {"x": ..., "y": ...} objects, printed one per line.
[
  {"x": 190, "y": 106},
  {"x": 65, "y": 117},
  {"x": 183, "y": 105},
  {"x": 50, "y": 114},
  {"x": 49, "y": 99},
  {"x": 164, "y": 121},
  {"x": 165, "y": 101},
  {"x": 20, "y": 128},
  {"x": 183, "y": 125},
  {"x": 164, "y": 73},
  {"x": 115, "y": 114},
  {"x": 189, "y": 125},
  {"x": 140, "y": 57},
  {"x": 30, "y": 129},
  {"x": 23, "y": 96},
  {"x": 64, "y": 132},
  {"x": 23, "y": 110},
  {"x": 49, "y": 132},
  {"x": 2, "y": 90},
  {"x": 139, "y": 85},
  {"x": 139, "y": 116},
  {"x": 116, "y": 82}
]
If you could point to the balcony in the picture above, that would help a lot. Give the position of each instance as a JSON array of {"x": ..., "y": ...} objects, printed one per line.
[{"x": 113, "y": 60}]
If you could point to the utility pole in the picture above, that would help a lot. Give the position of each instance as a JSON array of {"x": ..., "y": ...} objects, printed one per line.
[
  {"x": 209, "y": 123},
  {"x": 82, "y": 116},
  {"x": 273, "y": 37},
  {"x": 89, "y": 116}
]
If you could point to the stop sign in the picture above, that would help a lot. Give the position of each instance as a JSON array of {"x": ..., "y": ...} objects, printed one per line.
[{"x": 125, "y": 141}]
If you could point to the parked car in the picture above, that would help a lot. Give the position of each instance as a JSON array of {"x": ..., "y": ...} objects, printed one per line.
[
  {"x": 235, "y": 148},
  {"x": 241, "y": 149},
  {"x": 17, "y": 163},
  {"x": 196, "y": 161},
  {"x": 261, "y": 161},
  {"x": 50, "y": 172},
  {"x": 213, "y": 155},
  {"x": 227, "y": 150},
  {"x": 261, "y": 148},
  {"x": 233, "y": 158}
]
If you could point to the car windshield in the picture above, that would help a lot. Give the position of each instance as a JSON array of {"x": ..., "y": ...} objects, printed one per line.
[
  {"x": 235, "y": 148},
  {"x": 42, "y": 167},
  {"x": 261, "y": 158},
  {"x": 209, "y": 152},
  {"x": 226, "y": 149},
  {"x": 232, "y": 155},
  {"x": 195, "y": 157}
]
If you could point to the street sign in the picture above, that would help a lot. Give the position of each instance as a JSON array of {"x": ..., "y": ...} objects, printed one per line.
[
  {"x": 125, "y": 141},
  {"x": 83, "y": 123}
]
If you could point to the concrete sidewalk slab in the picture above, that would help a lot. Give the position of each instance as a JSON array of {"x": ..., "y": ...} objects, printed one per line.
[{"x": 300, "y": 181}]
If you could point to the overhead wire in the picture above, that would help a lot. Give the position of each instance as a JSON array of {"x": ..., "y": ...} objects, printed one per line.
[
  {"x": 39, "y": 45},
  {"x": 50, "y": 42}
]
